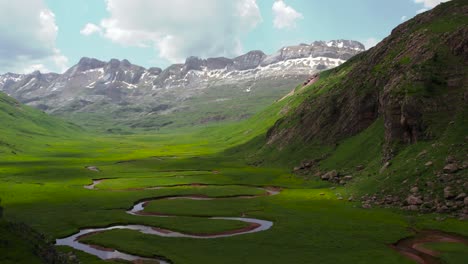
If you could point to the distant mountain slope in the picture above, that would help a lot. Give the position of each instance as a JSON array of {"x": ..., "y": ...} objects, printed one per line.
[
  {"x": 394, "y": 118},
  {"x": 214, "y": 89}
]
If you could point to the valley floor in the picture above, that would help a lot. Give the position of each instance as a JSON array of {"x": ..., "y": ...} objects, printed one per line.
[{"x": 312, "y": 220}]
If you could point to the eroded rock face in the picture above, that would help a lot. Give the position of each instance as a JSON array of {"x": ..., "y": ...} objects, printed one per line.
[
  {"x": 402, "y": 120},
  {"x": 248, "y": 61}
]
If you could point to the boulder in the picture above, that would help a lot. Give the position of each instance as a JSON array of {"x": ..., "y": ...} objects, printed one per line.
[
  {"x": 414, "y": 200},
  {"x": 427, "y": 205},
  {"x": 450, "y": 168},
  {"x": 465, "y": 164},
  {"x": 442, "y": 209},
  {"x": 348, "y": 178},
  {"x": 414, "y": 190},
  {"x": 448, "y": 193},
  {"x": 385, "y": 166},
  {"x": 330, "y": 175},
  {"x": 450, "y": 160},
  {"x": 460, "y": 197},
  {"x": 429, "y": 163},
  {"x": 422, "y": 153},
  {"x": 308, "y": 164}
]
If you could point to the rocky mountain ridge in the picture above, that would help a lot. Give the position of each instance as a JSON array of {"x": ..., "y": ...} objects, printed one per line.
[{"x": 120, "y": 83}]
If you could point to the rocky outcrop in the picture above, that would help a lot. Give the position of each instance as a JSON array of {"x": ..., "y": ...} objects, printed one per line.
[
  {"x": 248, "y": 61},
  {"x": 446, "y": 195}
]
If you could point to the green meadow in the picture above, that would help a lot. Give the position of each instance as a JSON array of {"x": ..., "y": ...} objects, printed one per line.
[{"x": 313, "y": 221}]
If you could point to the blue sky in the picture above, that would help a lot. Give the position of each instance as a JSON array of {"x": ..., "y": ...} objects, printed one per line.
[{"x": 57, "y": 33}]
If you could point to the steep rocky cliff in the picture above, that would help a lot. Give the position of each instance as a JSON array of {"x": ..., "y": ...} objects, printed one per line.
[{"x": 418, "y": 71}]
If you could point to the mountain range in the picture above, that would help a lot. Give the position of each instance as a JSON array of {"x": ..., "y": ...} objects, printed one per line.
[{"x": 126, "y": 92}]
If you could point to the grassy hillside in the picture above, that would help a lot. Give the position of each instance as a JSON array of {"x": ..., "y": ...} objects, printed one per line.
[
  {"x": 392, "y": 118},
  {"x": 24, "y": 129}
]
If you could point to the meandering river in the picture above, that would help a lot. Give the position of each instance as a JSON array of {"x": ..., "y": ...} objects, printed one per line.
[{"x": 255, "y": 225}]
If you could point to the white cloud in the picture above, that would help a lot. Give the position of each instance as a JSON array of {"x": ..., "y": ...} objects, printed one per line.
[
  {"x": 60, "y": 61},
  {"x": 422, "y": 10},
  {"x": 370, "y": 42},
  {"x": 90, "y": 29},
  {"x": 35, "y": 67},
  {"x": 28, "y": 39},
  {"x": 404, "y": 18},
  {"x": 285, "y": 16},
  {"x": 430, "y": 3},
  {"x": 179, "y": 28}
]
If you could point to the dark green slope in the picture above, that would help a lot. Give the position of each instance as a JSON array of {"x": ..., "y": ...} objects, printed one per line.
[{"x": 394, "y": 118}]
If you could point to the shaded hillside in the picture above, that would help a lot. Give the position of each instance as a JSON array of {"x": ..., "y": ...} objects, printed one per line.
[
  {"x": 393, "y": 118},
  {"x": 24, "y": 128}
]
